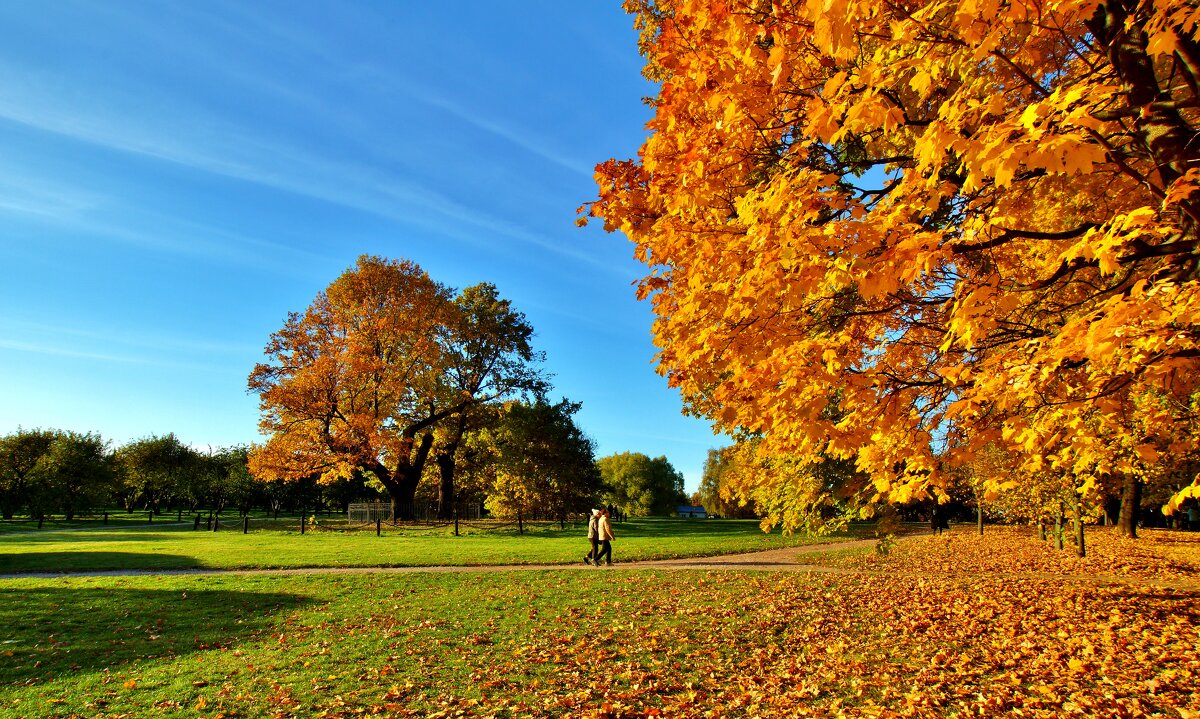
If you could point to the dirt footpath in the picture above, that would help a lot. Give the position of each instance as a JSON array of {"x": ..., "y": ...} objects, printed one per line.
[{"x": 787, "y": 559}]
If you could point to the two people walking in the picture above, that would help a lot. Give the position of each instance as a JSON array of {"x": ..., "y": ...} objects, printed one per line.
[{"x": 600, "y": 535}]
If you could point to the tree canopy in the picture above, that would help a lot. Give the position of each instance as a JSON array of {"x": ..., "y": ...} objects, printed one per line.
[
  {"x": 640, "y": 486},
  {"x": 542, "y": 463},
  {"x": 958, "y": 223},
  {"x": 44, "y": 471},
  {"x": 385, "y": 355}
]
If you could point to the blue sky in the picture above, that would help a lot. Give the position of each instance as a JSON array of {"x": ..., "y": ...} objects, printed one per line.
[{"x": 175, "y": 177}]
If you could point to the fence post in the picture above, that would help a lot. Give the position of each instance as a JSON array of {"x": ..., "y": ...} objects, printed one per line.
[
  {"x": 106, "y": 517},
  {"x": 456, "y": 517},
  {"x": 378, "y": 525},
  {"x": 302, "y": 522},
  {"x": 41, "y": 518},
  {"x": 216, "y": 523},
  {"x": 180, "y": 517},
  {"x": 196, "y": 526},
  {"x": 150, "y": 517},
  {"x": 246, "y": 524}
]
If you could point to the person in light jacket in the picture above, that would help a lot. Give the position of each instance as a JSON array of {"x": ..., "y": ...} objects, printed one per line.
[
  {"x": 593, "y": 536},
  {"x": 605, "y": 535}
]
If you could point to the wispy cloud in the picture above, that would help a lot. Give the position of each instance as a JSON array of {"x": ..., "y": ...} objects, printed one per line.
[
  {"x": 44, "y": 349},
  {"x": 387, "y": 82},
  {"x": 191, "y": 137},
  {"x": 520, "y": 138},
  {"x": 68, "y": 207},
  {"x": 121, "y": 336},
  {"x": 32, "y": 194},
  {"x": 144, "y": 360},
  {"x": 124, "y": 345}
]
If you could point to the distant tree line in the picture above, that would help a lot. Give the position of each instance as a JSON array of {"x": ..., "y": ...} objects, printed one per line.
[
  {"x": 733, "y": 485},
  {"x": 51, "y": 472},
  {"x": 526, "y": 461}
]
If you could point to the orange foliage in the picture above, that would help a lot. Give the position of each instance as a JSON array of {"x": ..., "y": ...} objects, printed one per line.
[
  {"x": 346, "y": 382},
  {"x": 963, "y": 222},
  {"x": 363, "y": 379}
]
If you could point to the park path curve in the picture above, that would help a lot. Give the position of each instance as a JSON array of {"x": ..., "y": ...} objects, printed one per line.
[{"x": 785, "y": 559}]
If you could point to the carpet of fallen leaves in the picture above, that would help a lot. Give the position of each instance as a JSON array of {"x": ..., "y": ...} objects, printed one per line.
[
  {"x": 1156, "y": 555},
  {"x": 941, "y": 627},
  {"x": 869, "y": 646}
]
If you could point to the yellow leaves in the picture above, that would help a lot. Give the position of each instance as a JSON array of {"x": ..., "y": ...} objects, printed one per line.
[
  {"x": 1148, "y": 453},
  {"x": 921, "y": 83},
  {"x": 1191, "y": 491},
  {"x": 963, "y": 275},
  {"x": 776, "y": 61},
  {"x": 1034, "y": 114},
  {"x": 1163, "y": 42},
  {"x": 834, "y": 84}
]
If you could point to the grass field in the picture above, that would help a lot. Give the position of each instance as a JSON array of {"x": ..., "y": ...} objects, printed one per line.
[
  {"x": 943, "y": 626},
  {"x": 179, "y": 547}
]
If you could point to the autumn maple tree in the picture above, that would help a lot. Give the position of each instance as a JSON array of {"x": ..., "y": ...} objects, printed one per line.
[
  {"x": 957, "y": 222},
  {"x": 384, "y": 364}
]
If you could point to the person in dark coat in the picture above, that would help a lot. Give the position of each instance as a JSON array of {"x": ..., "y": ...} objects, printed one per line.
[{"x": 605, "y": 536}]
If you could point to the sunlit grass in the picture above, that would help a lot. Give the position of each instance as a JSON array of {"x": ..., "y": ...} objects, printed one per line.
[
  {"x": 180, "y": 547},
  {"x": 604, "y": 643}
]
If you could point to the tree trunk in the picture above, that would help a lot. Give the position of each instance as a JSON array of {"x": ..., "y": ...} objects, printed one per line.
[
  {"x": 979, "y": 513},
  {"x": 445, "y": 463},
  {"x": 401, "y": 483},
  {"x": 1112, "y": 510},
  {"x": 1080, "y": 547},
  {"x": 1058, "y": 528},
  {"x": 1041, "y": 524},
  {"x": 1131, "y": 506}
]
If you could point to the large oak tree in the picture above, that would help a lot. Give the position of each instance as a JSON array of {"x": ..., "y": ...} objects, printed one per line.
[{"x": 382, "y": 359}]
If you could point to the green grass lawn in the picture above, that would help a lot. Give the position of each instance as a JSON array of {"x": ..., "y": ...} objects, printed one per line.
[
  {"x": 26, "y": 525},
  {"x": 179, "y": 547},
  {"x": 600, "y": 644},
  {"x": 394, "y": 645}
]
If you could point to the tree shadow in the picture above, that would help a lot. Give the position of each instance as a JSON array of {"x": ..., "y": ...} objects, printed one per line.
[
  {"x": 53, "y": 632},
  {"x": 1161, "y": 604},
  {"x": 85, "y": 561}
]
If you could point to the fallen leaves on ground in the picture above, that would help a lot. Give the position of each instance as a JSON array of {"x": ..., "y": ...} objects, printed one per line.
[
  {"x": 1157, "y": 554},
  {"x": 928, "y": 631}
]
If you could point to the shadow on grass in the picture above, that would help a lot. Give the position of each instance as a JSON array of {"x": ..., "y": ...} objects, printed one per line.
[
  {"x": 48, "y": 633},
  {"x": 85, "y": 561}
]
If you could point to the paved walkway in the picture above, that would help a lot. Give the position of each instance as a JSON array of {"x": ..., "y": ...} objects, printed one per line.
[{"x": 787, "y": 559}]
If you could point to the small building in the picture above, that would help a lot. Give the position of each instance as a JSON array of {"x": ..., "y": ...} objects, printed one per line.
[{"x": 687, "y": 511}]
